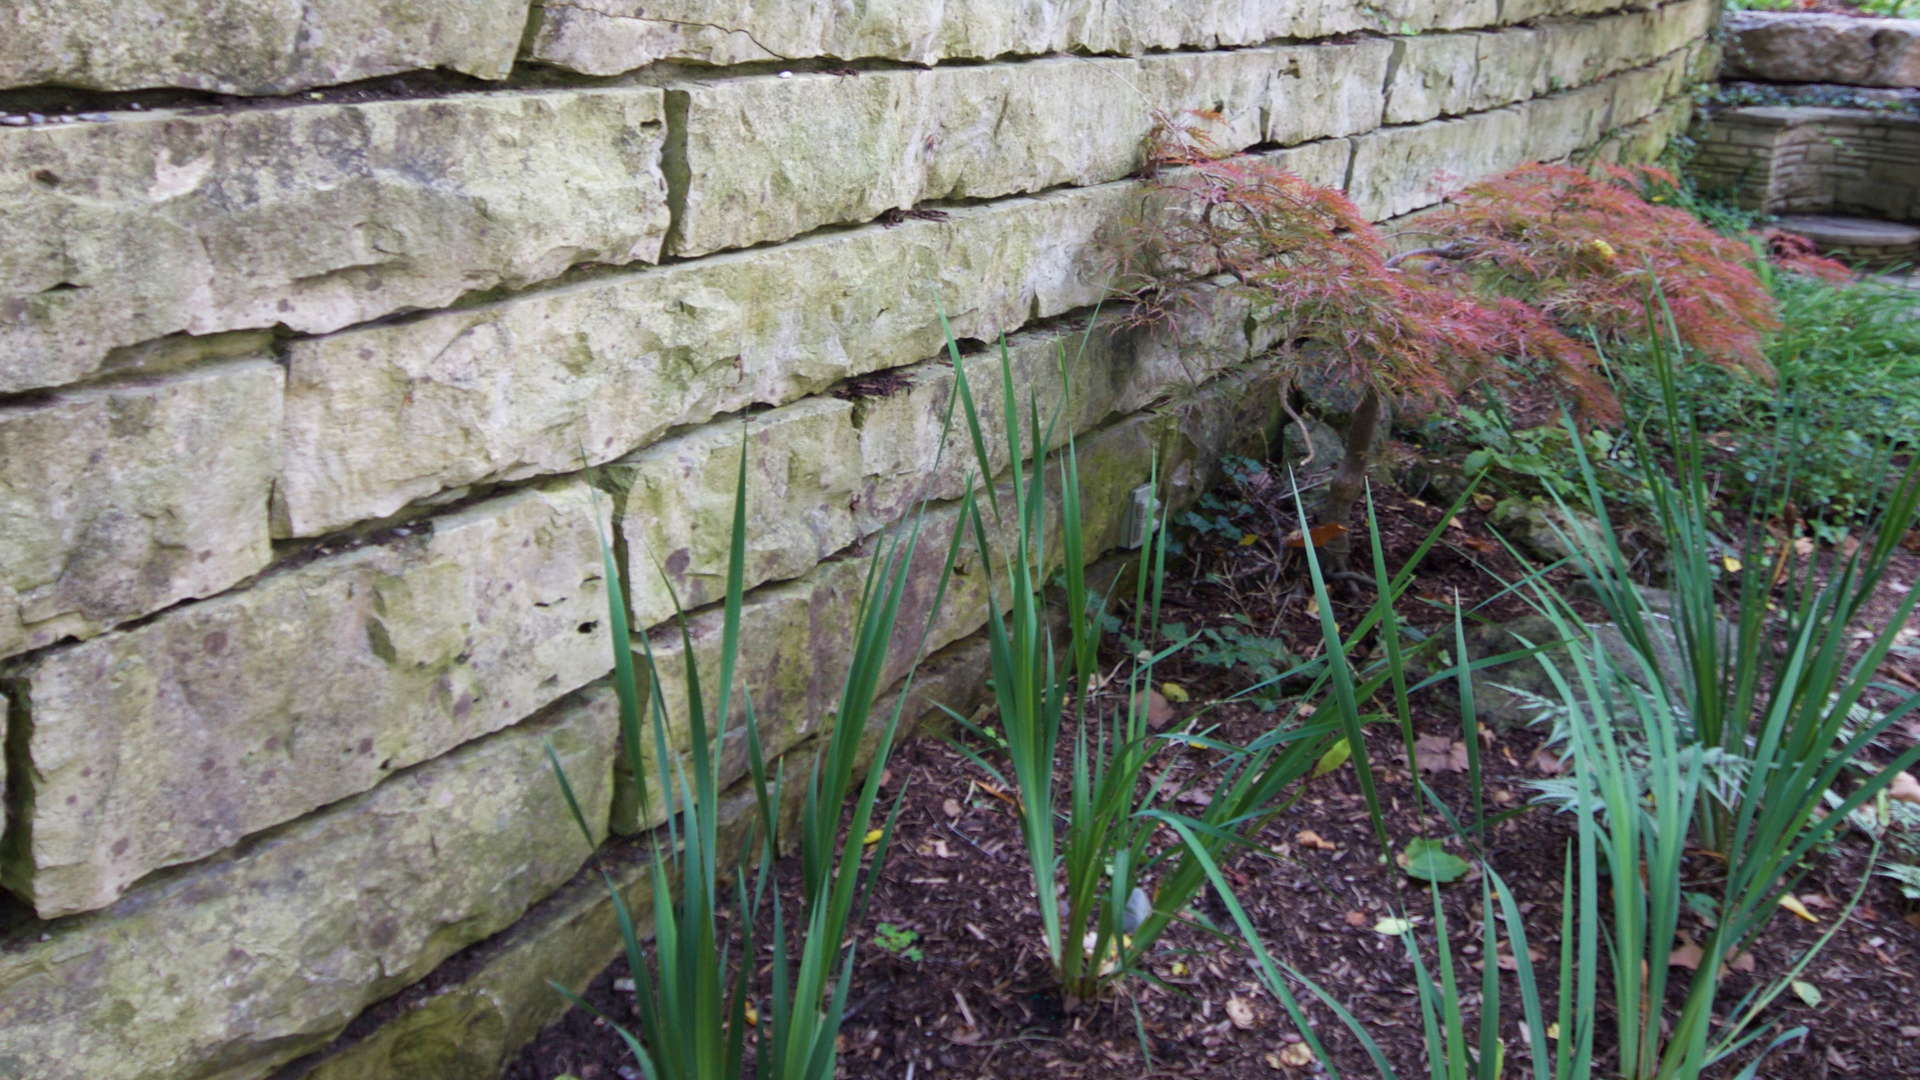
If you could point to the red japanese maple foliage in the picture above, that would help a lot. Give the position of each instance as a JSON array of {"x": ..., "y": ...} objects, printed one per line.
[
  {"x": 1590, "y": 251},
  {"x": 1520, "y": 265},
  {"x": 1411, "y": 330}
]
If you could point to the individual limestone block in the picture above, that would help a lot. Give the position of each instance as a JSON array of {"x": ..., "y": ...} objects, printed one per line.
[
  {"x": 161, "y": 744},
  {"x": 1799, "y": 46},
  {"x": 607, "y": 37},
  {"x": 676, "y": 503},
  {"x": 119, "y": 501},
  {"x": 255, "y": 47},
  {"x": 769, "y": 157},
  {"x": 381, "y": 416},
  {"x": 313, "y": 217},
  {"x": 224, "y": 969},
  {"x": 1403, "y": 169}
]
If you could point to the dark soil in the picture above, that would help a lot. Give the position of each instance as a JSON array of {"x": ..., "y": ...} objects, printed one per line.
[{"x": 980, "y": 1001}]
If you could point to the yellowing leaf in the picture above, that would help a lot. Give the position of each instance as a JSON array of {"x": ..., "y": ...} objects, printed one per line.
[
  {"x": 1298, "y": 1055},
  {"x": 1336, "y": 756},
  {"x": 753, "y": 1015},
  {"x": 1553, "y": 1030},
  {"x": 1807, "y": 992},
  {"x": 1175, "y": 693},
  {"x": 1792, "y": 903},
  {"x": 1732, "y": 564},
  {"x": 1178, "y": 969},
  {"x": 1392, "y": 927},
  {"x": 1248, "y": 539},
  {"x": 873, "y": 835}
]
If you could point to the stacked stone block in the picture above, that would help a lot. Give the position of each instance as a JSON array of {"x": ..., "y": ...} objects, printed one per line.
[
  {"x": 1809, "y": 160},
  {"x": 315, "y": 409}
]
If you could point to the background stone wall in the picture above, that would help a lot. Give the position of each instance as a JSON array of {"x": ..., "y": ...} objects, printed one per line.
[
  {"x": 1788, "y": 159},
  {"x": 334, "y": 335}
]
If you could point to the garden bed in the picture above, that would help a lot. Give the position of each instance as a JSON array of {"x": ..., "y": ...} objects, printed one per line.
[{"x": 966, "y": 991}]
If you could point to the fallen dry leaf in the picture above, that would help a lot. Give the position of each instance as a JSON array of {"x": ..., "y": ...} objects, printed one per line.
[
  {"x": 1548, "y": 763},
  {"x": 1357, "y": 918},
  {"x": 1792, "y": 903},
  {"x": 951, "y": 807},
  {"x": 1298, "y": 1055},
  {"x": 1905, "y": 788},
  {"x": 1437, "y": 753},
  {"x": 1240, "y": 1012},
  {"x": 1687, "y": 956},
  {"x": 1159, "y": 710},
  {"x": 1309, "y": 838}
]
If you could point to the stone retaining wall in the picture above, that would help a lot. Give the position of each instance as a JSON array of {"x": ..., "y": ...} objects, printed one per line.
[
  {"x": 314, "y": 407},
  {"x": 1807, "y": 160}
]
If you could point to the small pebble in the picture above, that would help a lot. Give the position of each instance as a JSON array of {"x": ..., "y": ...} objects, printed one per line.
[
  {"x": 35, "y": 118},
  {"x": 786, "y": 74},
  {"x": 137, "y": 107},
  {"x": 14, "y": 121},
  {"x": 94, "y": 117},
  {"x": 623, "y": 986}
]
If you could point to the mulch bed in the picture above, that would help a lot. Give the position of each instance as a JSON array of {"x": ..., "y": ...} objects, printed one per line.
[{"x": 980, "y": 1001}]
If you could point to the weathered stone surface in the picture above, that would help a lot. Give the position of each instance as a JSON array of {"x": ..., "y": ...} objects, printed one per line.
[
  {"x": 315, "y": 216},
  {"x": 1804, "y": 46},
  {"x": 676, "y": 502},
  {"x": 118, "y": 502},
  {"x": 251, "y": 48},
  {"x": 384, "y": 415},
  {"x": 1399, "y": 170},
  {"x": 471, "y": 1028},
  {"x": 606, "y": 37},
  {"x": 769, "y": 158},
  {"x": 227, "y": 968},
  {"x": 158, "y": 745},
  {"x": 1454, "y": 74}
]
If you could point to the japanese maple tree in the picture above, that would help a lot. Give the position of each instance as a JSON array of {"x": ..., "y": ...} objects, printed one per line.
[{"x": 1519, "y": 268}]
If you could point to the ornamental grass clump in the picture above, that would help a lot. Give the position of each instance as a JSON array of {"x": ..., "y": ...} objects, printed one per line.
[
  {"x": 696, "y": 994},
  {"x": 1113, "y": 866}
]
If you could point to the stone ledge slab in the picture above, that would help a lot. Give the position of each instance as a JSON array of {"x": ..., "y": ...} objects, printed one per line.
[
  {"x": 251, "y": 48},
  {"x": 1455, "y": 74},
  {"x": 118, "y": 502},
  {"x": 1400, "y": 170},
  {"x": 769, "y": 158},
  {"x": 1810, "y": 47},
  {"x": 608, "y": 37},
  {"x": 161, "y": 744},
  {"x": 382, "y": 416},
  {"x": 312, "y": 217},
  {"x": 225, "y": 969}
]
